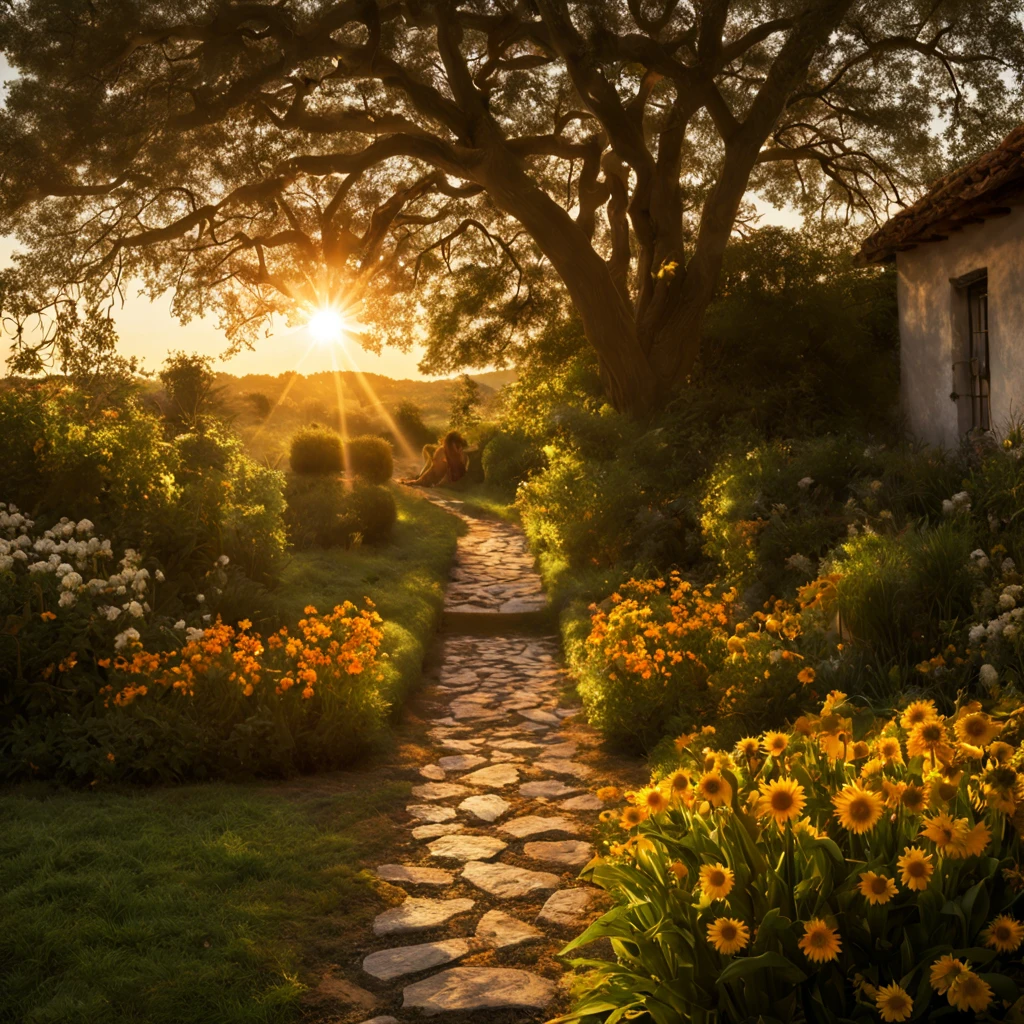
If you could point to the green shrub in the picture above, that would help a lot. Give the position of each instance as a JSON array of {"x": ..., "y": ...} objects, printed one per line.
[
  {"x": 370, "y": 458},
  {"x": 372, "y": 511},
  {"x": 317, "y": 515},
  {"x": 316, "y": 450},
  {"x": 510, "y": 458},
  {"x": 408, "y": 421}
]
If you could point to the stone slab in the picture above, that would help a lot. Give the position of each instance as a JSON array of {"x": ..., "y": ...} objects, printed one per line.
[
  {"x": 497, "y": 930},
  {"x": 586, "y": 802},
  {"x": 506, "y": 881},
  {"x": 394, "y": 963},
  {"x": 495, "y": 776},
  {"x": 433, "y": 772},
  {"x": 461, "y": 762},
  {"x": 466, "y": 847},
  {"x": 535, "y": 825},
  {"x": 540, "y": 717},
  {"x": 488, "y": 807},
  {"x": 561, "y": 766},
  {"x": 433, "y": 831},
  {"x": 419, "y": 915},
  {"x": 414, "y": 874},
  {"x": 548, "y": 788},
  {"x": 570, "y": 908},
  {"x": 431, "y": 813},
  {"x": 438, "y": 790},
  {"x": 467, "y": 989},
  {"x": 570, "y": 853}
]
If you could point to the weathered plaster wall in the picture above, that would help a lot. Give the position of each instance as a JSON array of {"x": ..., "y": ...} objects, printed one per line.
[{"x": 932, "y": 323}]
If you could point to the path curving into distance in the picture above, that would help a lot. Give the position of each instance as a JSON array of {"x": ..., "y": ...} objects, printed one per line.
[{"x": 502, "y": 812}]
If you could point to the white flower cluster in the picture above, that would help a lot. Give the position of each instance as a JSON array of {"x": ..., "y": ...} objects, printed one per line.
[
  {"x": 1007, "y": 624},
  {"x": 960, "y": 502},
  {"x": 66, "y": 551}
]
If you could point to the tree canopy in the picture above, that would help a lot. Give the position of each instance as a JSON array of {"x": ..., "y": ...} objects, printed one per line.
[{"x": 462, "y": 164}]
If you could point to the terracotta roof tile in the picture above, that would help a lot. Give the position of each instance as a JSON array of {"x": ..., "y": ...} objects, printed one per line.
[{"x": 969, "y": 194}]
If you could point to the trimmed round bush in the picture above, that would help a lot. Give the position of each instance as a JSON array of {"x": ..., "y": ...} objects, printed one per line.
[
  {"x": 372, "y": 509},
  {"x": 316, "y": 450},
  {"x": 370, "y": 458},
  {"x": 318, "y": 515}
]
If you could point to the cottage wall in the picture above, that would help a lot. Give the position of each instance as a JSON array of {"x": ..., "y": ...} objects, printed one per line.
[{"x": 933, "y": 321}]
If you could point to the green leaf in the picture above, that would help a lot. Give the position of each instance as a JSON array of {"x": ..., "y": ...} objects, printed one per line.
[{"x": 781, "y": 967}]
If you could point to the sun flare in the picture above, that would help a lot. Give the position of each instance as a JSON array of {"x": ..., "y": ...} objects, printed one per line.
[{"x": 326, "y": 326}]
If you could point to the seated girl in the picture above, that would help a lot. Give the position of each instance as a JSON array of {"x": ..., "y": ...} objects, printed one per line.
[{"x": 444, "y": 463}]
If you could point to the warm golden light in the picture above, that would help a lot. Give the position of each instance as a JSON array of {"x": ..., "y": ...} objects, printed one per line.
[{"x": 326, "y": 326}]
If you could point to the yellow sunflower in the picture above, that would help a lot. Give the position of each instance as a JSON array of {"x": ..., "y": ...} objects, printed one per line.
[
  {"x": 969, "y": 992},
  {"x": 894, "y": 1003},
  {"x": 858, "y": 809},
  {"x": 876, "y": 889},
  {"x": 606, "y": 816},
  {"x": 945, "y": 971},
  {"x": 716, "y": 880},
  {"x": 944, "y": 832},
  {"x": 976, "y": 728},
  {"x": 819, "y": 942},
  {"x": 974, "y": 842},
  {"x": 749, "y": 747},
  {"x": 632, "y": 816},
  {"x": 728, "y": 936},
  {"x": 1005, "y": 934},
  {"x": 805, "y": 675},
  {"x": 1001, "y": 752},
  {"x": 930, "y": 738},
  {"x": 915, "y": 868},
  {"x": 678, "y": 782},
  {"x": 889, "y": 750},
  {"x": 781, "y": 799},
  {"x": 608, "y": 794},
  {"x": 715, "y": 789},
  {"x": 913, "y": 799},
  {"x": 652, "y": 800},
  {"x": 860, "y": 750},
  {"x": 918, "y": 712},
  {"x": 775, "y": 743}
]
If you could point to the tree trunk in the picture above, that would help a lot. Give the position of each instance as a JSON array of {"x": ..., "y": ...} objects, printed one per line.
[{"x": 608, "y": 319}]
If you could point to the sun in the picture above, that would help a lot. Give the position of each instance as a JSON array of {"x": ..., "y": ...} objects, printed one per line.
[{"x": 326, "y": 326}]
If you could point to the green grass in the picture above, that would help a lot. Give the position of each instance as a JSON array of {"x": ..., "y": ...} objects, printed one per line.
[
  {"x": 489, "y": 501},
  {"x": 216, "y": 903},
  {"x": 404, "y": 578},
  {"x": 220, "y": 903}
]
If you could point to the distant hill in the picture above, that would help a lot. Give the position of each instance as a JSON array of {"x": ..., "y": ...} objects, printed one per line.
[{"x": 366, "y": 401}]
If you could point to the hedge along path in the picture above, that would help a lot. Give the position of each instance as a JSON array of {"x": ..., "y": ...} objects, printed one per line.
[{"x": 503, "y": 810}]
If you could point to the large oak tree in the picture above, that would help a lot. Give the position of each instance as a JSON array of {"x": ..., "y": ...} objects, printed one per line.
[{"x": 458, "y": 160}]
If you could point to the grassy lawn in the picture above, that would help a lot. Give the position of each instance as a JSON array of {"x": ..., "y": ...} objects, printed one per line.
[
  {"x": 214, "y": 903},
  {"x": 220, "y": 903}
]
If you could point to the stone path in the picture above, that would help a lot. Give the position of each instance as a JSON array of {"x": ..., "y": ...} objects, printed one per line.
[{"x": 501, "y": 815}]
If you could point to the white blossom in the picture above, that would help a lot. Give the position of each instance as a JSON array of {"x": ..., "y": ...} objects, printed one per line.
[
  {"x": 193, "y": 634},
  {"x": 67, "y": 598},
  {"x": 135, "y": 610},
  {"x": 180, "y": 624},
  {"x": 988, "y": 675},
  {"x": 71, "y": 581},
  {"x": 126, "y": 637},
  {"x": 805, "y": 482}
]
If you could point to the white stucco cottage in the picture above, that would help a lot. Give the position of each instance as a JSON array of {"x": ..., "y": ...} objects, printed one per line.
[{"x": 959, "y": 255}]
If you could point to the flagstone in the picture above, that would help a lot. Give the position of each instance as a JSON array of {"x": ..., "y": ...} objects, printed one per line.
[
  {"x": 419, "y": 915},
  {"x": 572, "y": 853},
  {"x": 506, "y": 881},
  {"x": 433, "y": 831},
  {"x": 539, "y": 717},
  {"x": 466, "y": 847},
  {"x": 393, "y": 963},
  {"x": 497, "y": 930},
  {"x": 438, "y": 790},
  {"x": 488, "y": 807},
  {"x": 571, "y": 908},
  {"x": 465, "y": 989},
  {"x": 496, "y": 776},
  {"x": 460, "y": 762},
  {"x": 560, "y": 766},
  {"x": 415, "y": 875},
  {"x": 549, "y": 788},
  {"x": 534, "y": 825},
  {"x": 433, "y": 772},
  {"x": 586, "y": 802},
  {"x": 431, "y": 812}
]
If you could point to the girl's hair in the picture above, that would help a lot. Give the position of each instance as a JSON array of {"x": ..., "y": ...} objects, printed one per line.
[{"x": 453, "y": 444}]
